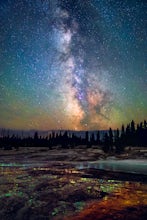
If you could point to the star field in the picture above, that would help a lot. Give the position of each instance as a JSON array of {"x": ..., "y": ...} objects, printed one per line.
[{"x": 72, "y": 64}]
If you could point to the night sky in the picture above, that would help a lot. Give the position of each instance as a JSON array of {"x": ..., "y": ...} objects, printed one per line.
[{"x": 72, "y": 64}]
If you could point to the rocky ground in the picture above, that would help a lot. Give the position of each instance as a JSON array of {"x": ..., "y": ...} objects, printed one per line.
[{"x": 38, "y": 183}]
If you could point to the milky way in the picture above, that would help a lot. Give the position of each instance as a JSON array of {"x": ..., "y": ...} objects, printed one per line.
[{"x": 72, "y": 64}]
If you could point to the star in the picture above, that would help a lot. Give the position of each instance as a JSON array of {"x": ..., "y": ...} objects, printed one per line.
[{"x": 72, "y": 64}]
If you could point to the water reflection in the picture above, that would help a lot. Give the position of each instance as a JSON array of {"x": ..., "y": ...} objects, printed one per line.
[{"x": 132, "y": 166}]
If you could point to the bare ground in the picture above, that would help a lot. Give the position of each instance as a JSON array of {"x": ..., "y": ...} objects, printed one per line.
[{"x": 38, "y": 183}]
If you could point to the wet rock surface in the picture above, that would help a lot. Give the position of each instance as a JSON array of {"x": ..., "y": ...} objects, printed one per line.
[{"x": 38, "y": 187}]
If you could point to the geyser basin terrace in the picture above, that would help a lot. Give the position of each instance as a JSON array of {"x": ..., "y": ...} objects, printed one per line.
[{"x": 39, "y": 183}]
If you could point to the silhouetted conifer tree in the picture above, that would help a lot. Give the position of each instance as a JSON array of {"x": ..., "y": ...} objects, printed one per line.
[
  {"x": 111, "y": 139},
  {"x": 92, "y": 139},
  {"x": 106, "y": 147},
  {"x": 123, "y": 136},
  {"x": 98, "y": 138},
  {"x": 145, "y": 124},
  {"x": 118, "y": 144},
  {"x": 36, "y": 136}
]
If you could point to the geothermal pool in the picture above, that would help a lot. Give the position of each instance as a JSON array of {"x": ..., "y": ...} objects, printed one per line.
[{"x": 138, "y": 166}]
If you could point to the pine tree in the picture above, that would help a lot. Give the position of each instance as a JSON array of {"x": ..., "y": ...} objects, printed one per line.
[
  {"x": 106, "y": 147},
  {"x": 111, "y": 139},
  {"x": 98, "y": 137}
]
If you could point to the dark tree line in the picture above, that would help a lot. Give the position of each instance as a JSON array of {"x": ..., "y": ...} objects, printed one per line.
[
  {"x": 62, "y": 139},
  {"x": 116, "y": 141},
  {"x": 112, "y": 141}
]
